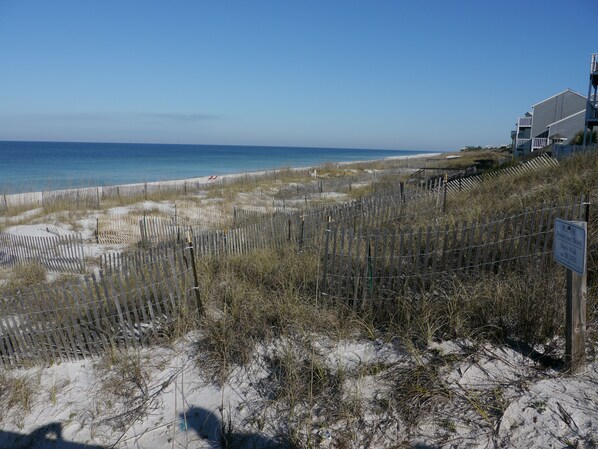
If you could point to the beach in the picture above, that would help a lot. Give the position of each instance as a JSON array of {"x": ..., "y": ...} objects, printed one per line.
[
  {"x": 36, "y": 166},
  {"x": 315, "y": 313},
  {"x": 8, "y": 201}
]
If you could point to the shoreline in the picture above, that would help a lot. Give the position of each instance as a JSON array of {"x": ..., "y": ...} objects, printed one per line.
[{"x": 36, "y": 197}]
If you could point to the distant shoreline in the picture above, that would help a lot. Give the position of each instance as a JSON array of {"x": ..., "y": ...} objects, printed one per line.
[
  {"x": 23, "y": 198},
  {"x": 48, "y": 166}
]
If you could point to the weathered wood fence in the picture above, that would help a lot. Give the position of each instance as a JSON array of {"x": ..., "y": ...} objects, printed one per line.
[
  {"x": 458, "y": 184},
  {"x": 302, "y": 228},
  {"x": 56, "y": 253},
  {"x": 48, "y": 323},
  {"x": 360, "y": 266}
]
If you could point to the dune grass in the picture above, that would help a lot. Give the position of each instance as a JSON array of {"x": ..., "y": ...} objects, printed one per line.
[{"x": 265, "y": 306}]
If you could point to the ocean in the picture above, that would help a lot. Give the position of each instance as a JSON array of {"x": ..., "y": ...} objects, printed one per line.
[{"x": 35, "y": 166}]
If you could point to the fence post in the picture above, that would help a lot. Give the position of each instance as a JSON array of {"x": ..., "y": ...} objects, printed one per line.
[
  {"x": 289, "y": 229},
  {"x": 587, "y": 204},
  {"x": 97, "y": 230},
  {"x": 325, "y": 269},
  {"x": 575, "y": 326},
  {"x": 445, "y": 189},
  {"x": 200, "y": 306},
  {"x": 302, "y": 230},
  {"x": 143, "y": 229}
]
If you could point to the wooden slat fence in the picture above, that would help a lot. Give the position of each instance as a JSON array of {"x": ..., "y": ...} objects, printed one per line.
[
  {"x": 302, "y": 228},
  {"x": 458, "y": 184},
  {"x": 361, "y": 266},
  {"x": 48, "y": 323},
  {"x": 88, "y": 197},
  {"x": 118, "y": 229},
  {"x": 9, "y": 202},
  {"x": 56, "y": 253}
]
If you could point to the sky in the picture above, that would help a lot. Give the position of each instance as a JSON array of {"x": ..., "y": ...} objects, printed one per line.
[{"x": 420, "y": 75}]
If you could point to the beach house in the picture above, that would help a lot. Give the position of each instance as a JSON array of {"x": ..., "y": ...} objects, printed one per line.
[
  {"x": 553, "y": 120},
  {"x": 592, "y": 107}
]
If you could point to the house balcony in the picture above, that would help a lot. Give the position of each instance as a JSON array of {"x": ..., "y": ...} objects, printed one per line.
[
  {"x": 592, "y": 112},
  {"x": 524, "y": 122},
  {"x": 539, "y": 142},
  {"x": 521, "y": 142}
]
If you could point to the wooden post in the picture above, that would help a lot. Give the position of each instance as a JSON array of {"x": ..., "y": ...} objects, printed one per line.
[
  {"x": 445, "y": 189},
  {"x": 328, "y": 230},
  {"x": 402, "y": 188},
  {"x": 143, "y": 229},
  {"x": 575, "y": 328},
  {"x": 97, "y": 230},
  {"x": 302, "y": 230},
  {"x": 569, "y": 249},
  {"x": 200, "y": 306}
]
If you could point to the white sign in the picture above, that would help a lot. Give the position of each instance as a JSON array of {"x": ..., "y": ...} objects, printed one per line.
[{"x": 570, "y": 244}]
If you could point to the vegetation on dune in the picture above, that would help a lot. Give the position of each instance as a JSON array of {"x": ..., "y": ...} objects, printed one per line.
[{"x": 266, "y": 308}]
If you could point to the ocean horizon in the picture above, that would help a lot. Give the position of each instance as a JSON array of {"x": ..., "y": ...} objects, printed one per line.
[{"x": 35, "y": 166}]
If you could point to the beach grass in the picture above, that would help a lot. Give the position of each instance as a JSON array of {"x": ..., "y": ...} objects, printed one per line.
[{"x": 264, "y": 308}]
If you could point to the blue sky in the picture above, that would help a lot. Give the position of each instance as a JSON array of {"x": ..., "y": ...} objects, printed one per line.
[{"x": 432, "y": 75}]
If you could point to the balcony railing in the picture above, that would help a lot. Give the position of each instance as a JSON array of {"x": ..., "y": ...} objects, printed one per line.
[
  {"x": 524, "y": 121},
  {"x": 594, "y": 64},
  {"x": 592, "y": 111},
  {"x": 521, "y": 142},
  {"x": 539, "y": 142}
]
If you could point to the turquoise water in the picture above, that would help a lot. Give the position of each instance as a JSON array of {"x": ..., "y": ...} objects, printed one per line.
[{"x": 34, "y": 166}]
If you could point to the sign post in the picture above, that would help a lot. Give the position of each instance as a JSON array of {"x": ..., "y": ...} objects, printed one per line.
[{"x": 569, "y": 250}]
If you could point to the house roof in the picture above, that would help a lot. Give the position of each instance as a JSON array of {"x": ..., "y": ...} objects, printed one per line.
[
  {"x": 566, "y": 118},
  {"x": 556, "y": 95}
]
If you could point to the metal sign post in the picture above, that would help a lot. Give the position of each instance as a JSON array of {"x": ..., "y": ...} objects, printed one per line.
[{"x": 569, "y": 250}]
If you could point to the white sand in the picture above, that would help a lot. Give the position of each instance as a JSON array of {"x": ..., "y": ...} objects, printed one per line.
[
  {"x": 539, "y": 408},
  {"x": 35, "y": 198}
]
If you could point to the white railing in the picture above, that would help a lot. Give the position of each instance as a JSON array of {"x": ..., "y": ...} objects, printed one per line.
[
  {"x": 521, "y": 142},
  {"x": 524, "y": 121},
  {"x": 539, "y": 142}
]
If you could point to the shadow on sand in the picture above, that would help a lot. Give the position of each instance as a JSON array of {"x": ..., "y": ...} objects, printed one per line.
[
  {"x": 48, "y": 436},
  {"x": 209, "y": 427},
  {"x": 203, "y": 422}
]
